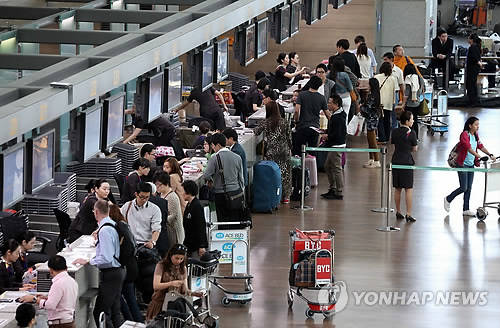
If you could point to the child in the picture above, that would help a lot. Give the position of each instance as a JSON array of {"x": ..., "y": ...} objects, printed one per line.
[{"x": 337, "y": 133}]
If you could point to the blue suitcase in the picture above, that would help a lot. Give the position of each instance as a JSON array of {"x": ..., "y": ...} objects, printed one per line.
[{"x": 266, "y": 188}]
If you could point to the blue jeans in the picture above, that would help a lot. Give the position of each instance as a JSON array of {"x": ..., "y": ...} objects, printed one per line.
[
  {"x": 465, "y": 179},
  {"x": 129, "y": 306}
]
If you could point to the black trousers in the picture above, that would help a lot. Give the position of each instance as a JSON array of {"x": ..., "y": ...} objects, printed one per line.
[
  {"x": 384, "y": 126},
  {"x": 108, "y": 297},
  {"x": 471, "y": 85},
  {"x": 304, "y": 136}
]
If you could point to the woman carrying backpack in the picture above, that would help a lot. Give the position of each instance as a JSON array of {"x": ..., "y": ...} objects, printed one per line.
[
  {"x": 414, "y": 88},
  {"x": 170, "y": 278},
  {"x": 468, "y": 157}
]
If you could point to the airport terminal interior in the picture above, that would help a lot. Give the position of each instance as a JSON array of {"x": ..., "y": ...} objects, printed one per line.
[{"x": 87, "y": 86}]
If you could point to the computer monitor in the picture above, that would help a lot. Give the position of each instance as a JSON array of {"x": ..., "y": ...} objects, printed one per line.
[
  {"x": 222, "y": 62},
  {"x": 12, "y": 175},
  {"x": 284, "y": 24},
  {"x": 249, "y": 44},
  {"x": 113, "y": 120},
  {"x": 261, "y": 41},
  {"x": 207, "y": 68},
  {"x": 323, "y": 9},
  {"x": 295, "y": 17},
  {"x": 337, "y": 3},
  {"x": 40, "y": 152},
  {"x": 155, "y": 97},
  {"x": 92, "y": 136},
  {"x": 311, "y": 8},
  {"x": 172, "y": 94}
]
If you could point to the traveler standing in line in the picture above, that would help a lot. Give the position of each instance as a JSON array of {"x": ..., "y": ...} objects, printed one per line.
[
  {"x": 111, "y": 272},
  {"x": 397, "y": 74},
  {"x": 148, "y": 153},
  {"x": 468, "y": 157},
  {"x": 337, "y": 133},
  {"x": 472, "y": 68},
  {"x": 195, "y": 225},
  {"x": 405, "y": 143},
  {"x": 348, "y": 57},
  {"x": 225, "y": 164},
  {"x": 61, "y": 301},
  {"x": 309, "y": 104},
  {"x": 233, "y": 145},
  {"x": 328, "y": 85},
  {"x": 361, "y": 39},
  {"x": 141, "y": 170},
  {"x": 174, "y": 170},
  {"x": 278, "y": 144},
  {"x": 370, "y": 108},
  {"x": 400, "y": 60},
  {"x": 343, "y": 84},
  {"x": 175, "y": 231},
  {"x": 365, "y": 63},
  {"x": 414, "y": 89},
  {"x": 387, "y": 91}
]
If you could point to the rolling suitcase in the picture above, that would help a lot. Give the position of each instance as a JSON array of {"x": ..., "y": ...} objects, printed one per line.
[
  {"x": 313, "y": 170},
  {"x": 297, "y": 183},
  {"x": 266, "y": 188}
]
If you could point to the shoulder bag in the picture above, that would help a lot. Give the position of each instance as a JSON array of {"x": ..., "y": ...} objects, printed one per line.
[{"x": 235, "y": 200}]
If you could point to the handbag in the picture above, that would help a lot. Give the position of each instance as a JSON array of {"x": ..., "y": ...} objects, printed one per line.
[
  {"x": 172, "y": 297},
  {"x": 235, "y": 200},
  {"x": 423, "y": 108},
  {"x": 355, "y": 126}
]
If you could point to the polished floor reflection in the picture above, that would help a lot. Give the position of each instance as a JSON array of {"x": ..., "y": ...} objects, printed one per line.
[{"x": 438, "y": 253}]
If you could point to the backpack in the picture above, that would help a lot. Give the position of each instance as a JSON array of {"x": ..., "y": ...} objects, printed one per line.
[
  {"x": 452, "y": 157},
  {"x": 127, "y": 248}
]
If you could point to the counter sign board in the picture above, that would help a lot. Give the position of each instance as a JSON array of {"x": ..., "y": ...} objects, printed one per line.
[{"x": 223, "y": 240}]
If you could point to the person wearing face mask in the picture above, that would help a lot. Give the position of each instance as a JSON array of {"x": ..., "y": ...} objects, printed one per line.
[
  {"x": 141, "y": 168},
  {"x": 85, "y": 223},
  {"x": 8, "y": 275}
]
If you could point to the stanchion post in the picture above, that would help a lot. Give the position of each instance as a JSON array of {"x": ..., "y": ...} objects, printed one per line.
[
  {"x": 446, "y": 76},
  {"x": 383, "y": 166},
  {"x": 387, "y": 227},
  {"x": 302, "y": 206}
]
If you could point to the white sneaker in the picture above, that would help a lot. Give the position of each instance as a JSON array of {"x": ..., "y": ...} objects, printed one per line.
[
  {"x": 370, "y": 161},
  {"x": 469, "y": 213},
  {"x": 372, "y": 165},
  {"x": 446, "y": 205},
  {"x": 376, "y": 164}
]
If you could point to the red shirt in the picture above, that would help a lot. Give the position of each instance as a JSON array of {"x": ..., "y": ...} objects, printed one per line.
[{"x": 464, "y": 146}]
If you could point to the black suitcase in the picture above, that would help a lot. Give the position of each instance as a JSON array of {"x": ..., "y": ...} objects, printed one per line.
[{"x": 297, "y": 183}]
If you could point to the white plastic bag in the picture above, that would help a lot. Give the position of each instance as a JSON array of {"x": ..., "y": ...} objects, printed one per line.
[
  {"x": 228, "y": 120},
  {"x": 355, "y": 126}
]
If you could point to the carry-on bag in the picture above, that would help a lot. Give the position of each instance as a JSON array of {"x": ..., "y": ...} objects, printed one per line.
[{"x": 266, "y": 187}]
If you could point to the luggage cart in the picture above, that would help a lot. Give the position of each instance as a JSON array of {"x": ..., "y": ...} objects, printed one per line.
[
  {"x": 237, "y": 244},
  {"x": 198, "y": 281},
  {"x": 320, "y": 242},
  {"x": 433, "y": 121},
  {"x": 491, "y": 184}
]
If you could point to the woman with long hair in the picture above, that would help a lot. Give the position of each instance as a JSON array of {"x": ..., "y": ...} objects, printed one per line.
[
  {"x": 170, "y": 276},
  {"x": 283, "y": 77},
  {"x": 414, "y": 89},
  {"x": 468, "y": 157},
  {"x": 371, "y": 110},
  {"x": 278, "y": 145},
  {"x": 365, "y": 62},
  {"x": 472, "y": 68},
  {"x": 343, "y": 85},
  {"x": 174, "y": 170}
]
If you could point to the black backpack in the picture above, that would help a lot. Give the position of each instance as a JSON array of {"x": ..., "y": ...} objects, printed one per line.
[{"x": 128, "y": 248}]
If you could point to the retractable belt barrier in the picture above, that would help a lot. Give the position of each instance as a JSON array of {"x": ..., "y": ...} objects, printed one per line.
[{"x": 305, "y": 149}]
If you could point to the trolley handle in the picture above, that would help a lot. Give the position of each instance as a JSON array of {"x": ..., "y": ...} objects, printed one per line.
[
  {"x": 330, "y": 231},
  {"x": 243, "y": 223}
]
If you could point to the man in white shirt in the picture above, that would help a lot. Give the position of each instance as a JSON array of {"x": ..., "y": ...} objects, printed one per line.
[
  {"x": 357, "y": 41},
  {"x": 397, "y": 73}
]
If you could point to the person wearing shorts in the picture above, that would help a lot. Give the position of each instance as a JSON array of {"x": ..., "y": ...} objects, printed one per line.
[{"x": 405, "y": 143}]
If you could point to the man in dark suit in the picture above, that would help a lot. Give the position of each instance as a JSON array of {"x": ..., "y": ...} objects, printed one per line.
[
  {"x": 442, "y": 50},
  {"x": 235, "y": 147}
]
